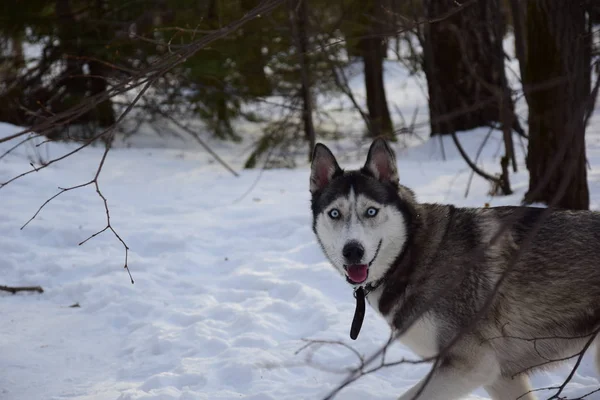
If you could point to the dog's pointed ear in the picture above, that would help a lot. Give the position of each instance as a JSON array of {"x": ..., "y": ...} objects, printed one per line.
[
  {"x": 323, "y": 168},
  {"x": 381, "y": 162}
]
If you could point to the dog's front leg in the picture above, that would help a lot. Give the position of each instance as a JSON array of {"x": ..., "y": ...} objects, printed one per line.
[{"x": 452, "y": 380}]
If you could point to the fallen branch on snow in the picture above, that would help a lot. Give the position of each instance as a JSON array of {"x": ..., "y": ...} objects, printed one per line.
[{"x": 15, "y": 289}]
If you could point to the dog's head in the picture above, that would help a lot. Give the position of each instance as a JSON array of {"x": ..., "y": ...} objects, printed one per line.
[{"x": 360, "y": 217}]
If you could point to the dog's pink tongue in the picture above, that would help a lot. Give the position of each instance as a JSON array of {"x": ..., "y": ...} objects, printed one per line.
[{"x": 357, "y": 273}]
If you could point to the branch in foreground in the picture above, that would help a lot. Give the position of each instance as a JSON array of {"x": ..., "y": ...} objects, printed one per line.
[
  {"x": 109, "y": 134},
  {"x": 108, "y": 224},
  {"x": 575, "y": 367}
]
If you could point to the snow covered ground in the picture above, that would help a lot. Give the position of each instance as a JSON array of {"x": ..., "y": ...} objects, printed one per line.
[{"x": 227, "y": 285}]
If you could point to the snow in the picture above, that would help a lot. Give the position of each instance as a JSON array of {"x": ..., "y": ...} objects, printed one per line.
[
  {"x": 226, "y": 287},
  {"x": 229, "y": 280}
]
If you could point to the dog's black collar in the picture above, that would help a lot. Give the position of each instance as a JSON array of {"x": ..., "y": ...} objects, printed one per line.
[
  {"x": 360, "y": 293},
  {"x": 369, "y": 287}
]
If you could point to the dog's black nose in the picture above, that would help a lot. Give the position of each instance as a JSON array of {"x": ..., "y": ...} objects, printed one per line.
[{"x": 353, "y": 252}]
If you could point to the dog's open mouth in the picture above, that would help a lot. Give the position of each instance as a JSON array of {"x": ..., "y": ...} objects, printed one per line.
[{"x": 357, "y": 273}]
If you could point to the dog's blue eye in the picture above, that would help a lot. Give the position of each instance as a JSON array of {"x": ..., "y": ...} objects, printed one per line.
[
  {"x": 372, "y": 211},
  {"x": 334, "y": 213}
]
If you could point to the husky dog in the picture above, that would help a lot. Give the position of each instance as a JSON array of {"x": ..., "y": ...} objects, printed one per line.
[{"x": 438, "y": 273}]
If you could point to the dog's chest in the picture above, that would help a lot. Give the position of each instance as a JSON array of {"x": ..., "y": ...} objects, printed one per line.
[{"x": 420, "y": 338}]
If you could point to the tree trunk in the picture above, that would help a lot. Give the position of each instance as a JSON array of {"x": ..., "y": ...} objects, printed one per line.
[
  {"x": 299, "y": 19},
  {"x": 221, "y": 122},
  {"x": 103, "y": 113},
  {"x": 253, "y": 67},
  {"x": 74, "y": 38},
  {"x": 68, "y": 34},
  {"x": 465, "y": 79},
  {"x": 518, "y": 10},
  {"x": 557, "y": 85},
  {"x": 373, "y": 50}
]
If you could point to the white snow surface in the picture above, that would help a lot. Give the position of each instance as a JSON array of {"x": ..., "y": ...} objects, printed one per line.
[{"x": 227, "y": 284}]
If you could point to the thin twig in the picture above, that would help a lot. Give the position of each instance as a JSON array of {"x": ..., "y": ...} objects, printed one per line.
[
  {"x": 199, "y": 140},
  {"x": 471, "y": 164},
  {"x": 479, "y": 150}
]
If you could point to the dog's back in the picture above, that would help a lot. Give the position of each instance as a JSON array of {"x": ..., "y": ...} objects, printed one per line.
[
  {"x": 541, "y": 267},
  {"x": 549, "y": 303}
]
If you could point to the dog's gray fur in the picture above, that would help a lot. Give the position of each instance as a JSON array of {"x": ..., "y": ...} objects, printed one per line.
[{"x": 437, "y": 267}]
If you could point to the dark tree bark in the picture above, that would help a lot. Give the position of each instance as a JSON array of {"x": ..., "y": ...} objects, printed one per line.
[
  {"x": 465, "y": 78},
  {"x": 104, "y": 113},
  {"x": 299, "y": 20},
  {"x": 72, "y": 77},
  {"x": 594, "y": 11},
  {"x": 518, "y": 12},
  {"x": 557, "y": 88},
  {"x": 373, "y": 50},
  {"x": 73, "y": 36},
  {"x": 221, "y": 122},
  {"x": 253, "y": 69}
]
